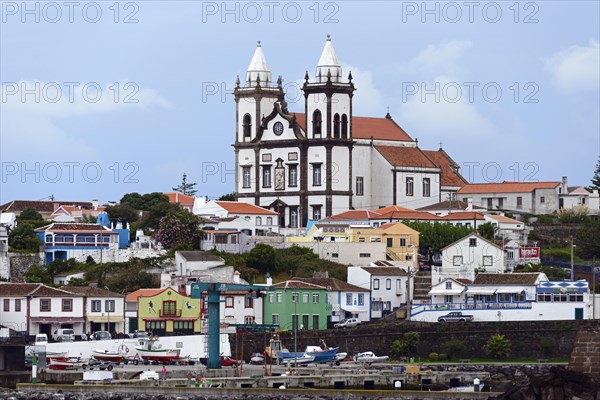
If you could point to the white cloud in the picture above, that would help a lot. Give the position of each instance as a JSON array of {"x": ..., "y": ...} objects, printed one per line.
[
  {"x": 369, "y": 101},
  {"x": 577, "y": 68},
  {"x": 451, "y": 115},
  {"x": 437, "y": 58}
]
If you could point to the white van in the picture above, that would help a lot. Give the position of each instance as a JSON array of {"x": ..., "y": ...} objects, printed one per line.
[
  {"x": 63, "y": 335},
  {"x": 41, "y": 339}
]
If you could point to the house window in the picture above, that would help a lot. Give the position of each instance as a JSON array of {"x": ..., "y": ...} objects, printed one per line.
[
  {"x": 316, "y": 321},
  {"x": 317, "y": 124},
  {"x": 510, "y": 255},
  {"x": 388, "y": 284},
  {"x": 293, "y": 217},
  {"x": 258, "y": 221},
  {"x": 348, "y": 299},
  {"x": 376, "y": 284},
  {"x": 295, "y": 297},
  {"x": 305, "y": 298},
  {"x": 246, "y": 177},
  {"x": 249, "y": 320},
  {"x": 293, "y": 175},
  {"x": 279, "y": 297},
  {"x": 269, "y": 220},
  {"x": 519, "y": 296},
  {"x": 266, "y": 176},
  {"x": 402, "y": 242},
  {"x": 360, "y": 181},
  {"x": 315, "y": 297},
  {"x": 457, "y": 261},
  {"x": 344, "y": 126},
  {"x": 228, "y": 301},
  {"x": 169, "y": 307},
  {"x": 361, "y": 299},
  {"x": 448, "y": 284},
  {"x": 67, "y": 305},
  {"x": 501, "y": 202},
  {"x": 410, "y": 186},
  {"x": 221, "y": 239},
  {"x": 335, "y": 255},
  {"x": 6, "y": 305},
  {"x": 473, "y": 242},
  {"x": 364, "y": 255},
  {"x": 233, "y": 239},
  {"x": 316, "y": 174},
  {"x": 247, "y": 125},
  {"x": 448, "y": 298},
  {"x": 488, "y": 261},
  {"x": 45, "y": 305},
  {"x": 542, "y": 199},
  {"x": 248, "y": 302},
  {"x": 275, "y": 319},
  {"x": 519, "y": 202},
  {"x": 504, "y": 297},
  {"x": 375, "y": 239},
  {"x": 96, "y": 306},
  {"x": 17, "y": 305},
  {"x": 489, "y": 203},
  {"x": 336, "y": 126},
  {"x": 271, "y": 298},
  {"x": 316, "y": 213},
  {"x": 426, "y": 187}
]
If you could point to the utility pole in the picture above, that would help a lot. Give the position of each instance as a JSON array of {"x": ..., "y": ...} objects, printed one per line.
[{"x": 572, "y": 266}]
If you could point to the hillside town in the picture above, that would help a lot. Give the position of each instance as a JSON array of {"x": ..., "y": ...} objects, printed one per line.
[{"x": 393, "y": 231}]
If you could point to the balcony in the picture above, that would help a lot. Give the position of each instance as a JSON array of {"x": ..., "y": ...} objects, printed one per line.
[{"x": 169, "y": 313}]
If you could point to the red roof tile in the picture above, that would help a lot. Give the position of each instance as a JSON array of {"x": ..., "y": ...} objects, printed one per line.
[
  {"x": 402, "y": 156},
  {"x": 333, "y": 284},
  {"x": 386, "y": 271},
  {"x": 134, "y": 296},
  {"x": 175, "y": 197},
  {"x": 449, "y": 205},
  {"x": 409, "y": 215},
  {"x": 32, "y": 289},
  {"x": 236, "y": 207},
  {"x": 385, "y": 210},
  {"x": 367, "y": 128},
  {"x": 505, "y": 220},
  {"x": 40, "y": 206},
  {"x": 506, "y": 187},
  {"x": 353, "y": 215},
  {"x": 90, "y": 291},
  {"x": 464, "y": 215},
  {"x": 449, "y": 169}
]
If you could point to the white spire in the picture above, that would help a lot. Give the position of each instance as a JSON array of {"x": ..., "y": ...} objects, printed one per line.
[
  {"x": 258, "y": 68},
  {"x": 329, "y": 64}
]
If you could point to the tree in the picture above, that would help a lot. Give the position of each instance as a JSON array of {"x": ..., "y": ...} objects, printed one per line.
[
  {"x": 407, "y": 346},
  {"x": 123, "y": 213},
  {"x": 454, "y": 348},
  {"x": 144, "y": 202},
  {"x": 30, "y": 214},
  {"x": 24, "y": 238},
  {"x": 152, "y": 217},
  {"x": 262, "y": 258},
  {"x": 436, "y": 236},
  {"x": 487, "y": 230},
  {"x": 588, "y": 240},
  {"x": 179, "y": 231},
  {"x": 498, "y": 347},
  {"x": 189, "y": 189},
  {"x": 38, "y": 274},
  {"x": 596, "y": 178},
  {"x": 228, "y": 197}
]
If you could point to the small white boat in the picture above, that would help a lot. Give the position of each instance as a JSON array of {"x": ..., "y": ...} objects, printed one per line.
[
  {"x": 108, "y": 355},
  {"x": 257, "y": 358},
  {"x": 369, "y": 357},
  {"x": 64, "y": 364},
  {"x": 299, "y": 360},
  {"x": 341, "y": 356},
  {"x": 150, "y": 349}
]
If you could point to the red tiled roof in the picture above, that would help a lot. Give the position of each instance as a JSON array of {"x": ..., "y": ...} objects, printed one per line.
[
  {"x": 353, "y": 215},
  {"x": 409, "y": 215},
  {"x": 449, "y": 169},
  {"x": 40, "y": 206},
  {"x": 90, "y": 291},
  {"x": 506, "y": 187},
  {"x": 388, "y": 271},
  {"x": 333, "y": 284},
  {"x": 236, "y": 207},
  {"x": 464, "y": 215},
  {"x": 368, "y": 127},
  {"x": 402, "y": 156},
  {"x": 78, "y": 227},
  {"x": 507, "y": 279},
  {"x": 504, "y": 219},
  {"x": 297, "y": 284},
  {"x": 388, "y": 209},
  {"x": 175, "y": 197},
  {"x": 449, "y": 205},
  {"x": 32, "y": 289},
  {"x": 134, "y": 296}
]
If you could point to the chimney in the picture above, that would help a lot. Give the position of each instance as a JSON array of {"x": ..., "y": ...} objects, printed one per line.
[
  {"x": 564, "y": 187},
  {"x": 95, "y": 204},
  {"x": 55, "y": 206},
  {"x": 269, "y": 280},
  {"x": 236, "y": 277},
  {"x": 469, "y": 204}
]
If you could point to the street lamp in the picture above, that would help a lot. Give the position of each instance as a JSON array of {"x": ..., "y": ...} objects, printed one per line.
[
  {"x": 295, "y": 321},
  {"x": 572, "y": 266}
]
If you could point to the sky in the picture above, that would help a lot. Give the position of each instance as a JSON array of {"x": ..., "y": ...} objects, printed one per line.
[{"x": 103, "y": 98}]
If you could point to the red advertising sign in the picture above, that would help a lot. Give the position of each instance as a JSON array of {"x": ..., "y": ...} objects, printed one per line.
[{"x": 529, "y": 252}]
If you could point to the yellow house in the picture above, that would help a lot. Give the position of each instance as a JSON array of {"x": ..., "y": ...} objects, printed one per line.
[
  {"x": 169, "y": 313},
  {"x": 402, "y": 242}
]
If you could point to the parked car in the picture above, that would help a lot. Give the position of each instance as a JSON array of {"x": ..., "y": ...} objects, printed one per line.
[
  {"x": 63, "y": 335},
  {"x": 347, "y": 323},
  {"x": 41, "y": 339},
  {"x": 455, "y": 316},
  {"x": 227, "y": 361},
  {"x": 101, "y": 335}
]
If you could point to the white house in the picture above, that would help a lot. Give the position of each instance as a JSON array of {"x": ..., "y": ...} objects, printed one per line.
[
  {"x": 509, "y": 228},
  {"x": 452, "y": 206},
  {"x": 571, "y": 197},
  {"x": 507, "y": 297},
  {"x": 104, "y": 310},
  {"x": 468, "y": 256},
  {"x": 33, "y": 308},
  {"x": 347, "y": 300},
  {"x": 191, "y": 262},
  {"x": 233, "y": 215},
  {"x": 388, "y": 286}
]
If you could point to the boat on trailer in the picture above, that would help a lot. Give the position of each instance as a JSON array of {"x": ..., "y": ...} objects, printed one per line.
[{"x": 150, "y": 349}]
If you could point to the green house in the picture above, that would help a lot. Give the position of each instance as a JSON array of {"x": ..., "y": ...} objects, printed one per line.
[{"x": 296, "y": 303}]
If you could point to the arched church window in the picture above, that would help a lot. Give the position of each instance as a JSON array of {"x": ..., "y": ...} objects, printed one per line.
[
  {"x": 247, "y": 125},
  {"x": 344, "y": 126},
  {"x": 317, "y": 123},
  {"x": 336, "y": 126}
]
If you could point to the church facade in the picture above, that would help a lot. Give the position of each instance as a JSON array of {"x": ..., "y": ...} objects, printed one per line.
[{"x": 311, "y": 165}]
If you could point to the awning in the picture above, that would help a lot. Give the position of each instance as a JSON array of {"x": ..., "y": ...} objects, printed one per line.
[
  {"x": 112, "y": 318},
  {"x": 353, "y": 310},
  {"x": 56, "y": 320},
  {"x": 513, "y": 290},
  {"x": 443, "y": 292},
  {"x": 486, "y": 292}
]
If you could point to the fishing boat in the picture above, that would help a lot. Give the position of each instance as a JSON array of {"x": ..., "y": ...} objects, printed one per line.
[
  {"x": 318, "y": 354},
  {"x": 257, "y": 358},
  {"x": 299, "y": 360},
  {"x": 66, "y": 363},
  {"x": 369, "y": 357},
  {"x": 151, "y": 350},
  {"x": 116, "y": 356}
]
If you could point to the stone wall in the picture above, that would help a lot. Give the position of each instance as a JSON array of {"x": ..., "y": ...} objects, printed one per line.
[
  {"x": 20, "y": 263},
  {"x": 549, "y": 234},
  {"x": 585, "y": 357},
  {"x": 526, "y": 338}
]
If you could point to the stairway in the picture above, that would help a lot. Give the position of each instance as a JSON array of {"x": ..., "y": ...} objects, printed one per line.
[{"x": 422, "y": 285}]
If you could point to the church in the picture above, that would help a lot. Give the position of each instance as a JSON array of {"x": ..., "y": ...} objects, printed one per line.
[{"x": 311, "y": 165}]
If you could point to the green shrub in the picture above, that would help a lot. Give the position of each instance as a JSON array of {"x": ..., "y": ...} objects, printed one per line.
[
  {"x": 547, "y": 346},
  {"x": 498, "y": 347},
  {"x": 454, "y": 348},
  {"x": 442, "y": 357},
  {"x": 433, "y": 356}
]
